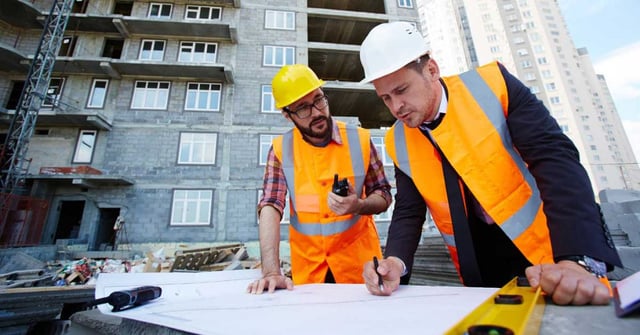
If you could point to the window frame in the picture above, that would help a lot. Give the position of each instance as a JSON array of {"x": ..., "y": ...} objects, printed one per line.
[
  {"x": 189, "y": 8},
  {"x": 153, "y": 51},
  {"x": 210, "y": 93},
  {"x": 203, "y": 197},
  {"x": 405, "y": 3},
  {"x": 382, "y": 152},
  {"x": 160, "y": 5},
  {"x": 267, "y": 93},
  {"x": 279, "y": 55},
  {"x": 188, "y": 141},
  {"x": 273, "y": 17},
  {"x": 79, "y": 152},
  {"x": 193, "y": 52},
  {"x": 147, "y": 91},
  {"x": 386, "y": 215},
  {"x": 264, "y": 144},
  {"x": 57, "y": 87},
  {"x": 92, "y": 94}
]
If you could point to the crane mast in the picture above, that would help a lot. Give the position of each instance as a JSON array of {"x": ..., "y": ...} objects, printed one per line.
[{"x": 13, "y": 154}]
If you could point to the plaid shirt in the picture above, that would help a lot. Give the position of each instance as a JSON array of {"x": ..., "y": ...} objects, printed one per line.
[{"x": 275, "y": 185}]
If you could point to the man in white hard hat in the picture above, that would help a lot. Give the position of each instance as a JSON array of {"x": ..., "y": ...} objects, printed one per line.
[
  {"x": 502, "y": 182},
  {"x": 331, "y": 235}
]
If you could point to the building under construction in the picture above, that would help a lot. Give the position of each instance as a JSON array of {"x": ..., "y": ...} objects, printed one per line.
[{"x": 156, "y": 120}]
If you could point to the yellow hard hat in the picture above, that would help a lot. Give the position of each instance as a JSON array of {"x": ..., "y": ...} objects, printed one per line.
[{"x": 293, "y": 82}]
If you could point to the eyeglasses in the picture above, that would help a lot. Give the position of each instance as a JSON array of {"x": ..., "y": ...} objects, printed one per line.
[{"x": 304, "y": 111}]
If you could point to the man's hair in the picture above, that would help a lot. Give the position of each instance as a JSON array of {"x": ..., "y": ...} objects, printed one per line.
[{"x": 418, "y": 64}]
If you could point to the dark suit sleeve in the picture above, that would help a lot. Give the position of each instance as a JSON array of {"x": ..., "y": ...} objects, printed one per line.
[
  {"x": 572, "y": 214},
  {"x": 409, "y": 215}
]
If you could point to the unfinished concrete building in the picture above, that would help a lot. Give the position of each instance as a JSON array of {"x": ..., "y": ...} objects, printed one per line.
[{"x": 159, "y": 115}]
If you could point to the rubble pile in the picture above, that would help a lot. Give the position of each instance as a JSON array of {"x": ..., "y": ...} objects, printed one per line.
[{"x": 84, "y": 271}]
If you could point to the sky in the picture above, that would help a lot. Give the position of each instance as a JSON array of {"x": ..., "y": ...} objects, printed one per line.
[{"x": 610, "y": 30}]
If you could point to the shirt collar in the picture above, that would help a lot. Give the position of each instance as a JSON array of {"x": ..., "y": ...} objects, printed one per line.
[{"x": 444, "y": 103}]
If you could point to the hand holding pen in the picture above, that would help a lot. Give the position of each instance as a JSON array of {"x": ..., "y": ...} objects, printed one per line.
[
  {"x": 375, "y": 267},
  {"x": 382, "y": 276}
]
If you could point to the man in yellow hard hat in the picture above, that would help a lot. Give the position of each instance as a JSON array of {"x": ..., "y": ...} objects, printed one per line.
[
  {"x": 503, "y": 184},
  {"x": 330, "y": 235}
]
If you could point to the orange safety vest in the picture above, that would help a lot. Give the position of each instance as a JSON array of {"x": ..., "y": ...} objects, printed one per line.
[
  {"x": 319, "y": 238},
  {"x": 475, "y": 138}
]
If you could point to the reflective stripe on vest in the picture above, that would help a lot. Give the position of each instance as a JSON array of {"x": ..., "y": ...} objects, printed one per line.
[
  {"x": 524, "y": 217},
  {"x": 357, "y": 163}
]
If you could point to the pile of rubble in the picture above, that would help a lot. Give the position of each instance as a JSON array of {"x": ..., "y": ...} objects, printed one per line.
[
  {"x": 84, "y": 271},
  {"x": 32, "y": 290}
]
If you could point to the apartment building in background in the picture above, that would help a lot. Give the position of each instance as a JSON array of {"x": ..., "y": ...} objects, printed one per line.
[
  {"x": 159, "y": 114},
  {"x": 532, "y": 40}
]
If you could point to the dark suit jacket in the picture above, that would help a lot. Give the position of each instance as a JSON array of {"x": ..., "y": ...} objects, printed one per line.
[{"x": 573, "y": 216}]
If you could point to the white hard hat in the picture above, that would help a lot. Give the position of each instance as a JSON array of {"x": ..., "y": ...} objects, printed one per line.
[{"x": 390, "y": 46}]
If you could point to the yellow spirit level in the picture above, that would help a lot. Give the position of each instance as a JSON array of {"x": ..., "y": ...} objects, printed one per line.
[{"x": 513, "y": 310}]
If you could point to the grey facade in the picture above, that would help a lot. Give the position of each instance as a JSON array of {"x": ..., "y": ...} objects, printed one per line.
[{"x": 171, "y": 101}]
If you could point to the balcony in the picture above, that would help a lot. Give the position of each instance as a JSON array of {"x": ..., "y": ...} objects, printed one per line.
[{"x": 117, "y": 68}]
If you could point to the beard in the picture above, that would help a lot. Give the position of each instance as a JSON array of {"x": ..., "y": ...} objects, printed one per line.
[{"x": 308, "y": 132}]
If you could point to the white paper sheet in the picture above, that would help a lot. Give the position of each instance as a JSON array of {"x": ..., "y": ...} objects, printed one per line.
[{"x": 217, "y": 303}]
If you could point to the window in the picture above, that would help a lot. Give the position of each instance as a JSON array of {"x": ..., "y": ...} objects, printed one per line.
[
  {"x": 198, "y": 52},
  {"x": 554, "y": 100},
  {"x": 203, "y": 13},
  {"x": 530, "y": 76},
  {"x": 160, "y": 10},
  {"x": 98, "y": 93},
  {"x": 275, "y": 19},
  {"x": 203, "y": 97},
  {"x": 526, "y": 64},
  {"x": 152, "y": 50},
  {"x": 286, "y": 212},
  {"x": 278, "y": 56},
  {"x": 542, "y": 60},
  {"x": 113, "y": 48},
  {"x": 265, "y": 145},
  {"x": 150, "y": 95},
  {"x": 197, "y": 148},
  {"x": 386, "y": 215},
  {"x": 268, "y": 103},
  {"x": 522, "y": 52},
  {"x": 85, "y": 145},
  {"x": 68, "y": 46},
  {"x": 53, "y": 92},
  {"x": 550, "y": 86},
  {"x": 14, "y": 96},
  {"x": 546, "y": 74},
  {"x": 123, "y": 7},
  {"x": 79, "y": 6},
  {"x": 378, "y": 142},
  {"x": 191, "y": 207},
  {"x": 405, "y": 3}
]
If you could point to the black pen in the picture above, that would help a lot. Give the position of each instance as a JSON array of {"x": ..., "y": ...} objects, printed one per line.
[{"x": 375, "y": 267}]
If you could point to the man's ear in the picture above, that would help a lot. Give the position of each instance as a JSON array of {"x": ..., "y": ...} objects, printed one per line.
[
  {"x": 286, "y": 115},
  {"x": 433, "y": 70}
]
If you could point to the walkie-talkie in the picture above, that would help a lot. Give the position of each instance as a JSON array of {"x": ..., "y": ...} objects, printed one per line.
[
  {"x": 126, "y": 299},
  {"x": 340, "y": 187}
]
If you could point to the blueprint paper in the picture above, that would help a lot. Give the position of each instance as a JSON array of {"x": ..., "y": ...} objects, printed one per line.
[{"x": 217, "y": 303}]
